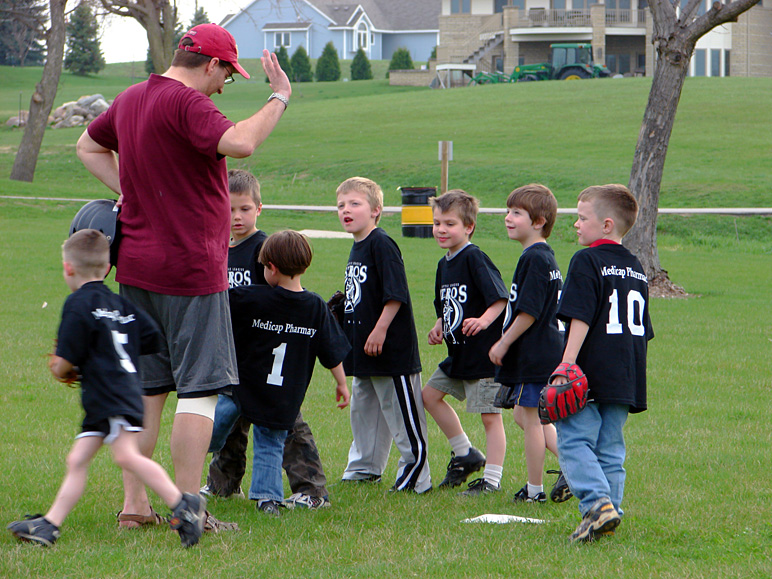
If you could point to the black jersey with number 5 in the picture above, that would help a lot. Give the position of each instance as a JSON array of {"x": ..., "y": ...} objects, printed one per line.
[
  {"x": 466, "y": 285},
  {"x": 279, "y": 334},
  {"x": 535, "y": 289},
  {"x": 103, "y": 335},
  {"x": 606, "y": 288}
]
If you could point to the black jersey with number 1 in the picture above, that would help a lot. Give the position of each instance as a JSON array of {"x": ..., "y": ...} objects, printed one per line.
[
  {"x": 466, "y": 285},
  {"x": 606, "y": 288},
  {"x": 279, "y": 334},
  {"x": 535, "y": 291},
  {"x": 103, "y": 335}
]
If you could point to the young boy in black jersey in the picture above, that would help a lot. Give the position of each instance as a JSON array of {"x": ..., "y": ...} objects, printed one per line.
[
  {"x": 469, "y": 298},
  {"x": 280, "y": 330},
  {"x": 530, "y": 347},
  {"x": 378, "y": 321},
  {"x": 230, "y": 434},
  {"x": 101, "y": 337},
  {"x": 605, "y": 302}
]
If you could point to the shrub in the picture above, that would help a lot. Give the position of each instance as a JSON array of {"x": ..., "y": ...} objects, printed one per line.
[
  {"x": 328, "y": 65},
  {"x": 301, "y": 66},
  {"x": 284, "y": 62},
  {"x": 360, "y": 67},
  {"x": 84, "y": 54},
  {"x": 400, "y": 60}
]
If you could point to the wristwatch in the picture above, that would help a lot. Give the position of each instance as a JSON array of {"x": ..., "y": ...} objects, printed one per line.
[{"x": 281, "y": 97}]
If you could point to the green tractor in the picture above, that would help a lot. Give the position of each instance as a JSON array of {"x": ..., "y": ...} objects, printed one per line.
[{"x": 568, "y": 62}]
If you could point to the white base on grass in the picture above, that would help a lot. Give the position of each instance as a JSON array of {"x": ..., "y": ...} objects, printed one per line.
[{"x": 503, "y": 519}]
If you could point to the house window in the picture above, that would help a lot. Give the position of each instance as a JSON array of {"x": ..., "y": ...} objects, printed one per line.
[
  {"x": 699, "y": 62},
  {"x": 558, "y": 4},
  {"x": 460, "y": 6},
  {"x": 498, "y": 5},
  {"x": 282, "y": 39},
  {"x": 362, "y": 39},
  {"x": 726, "y": 63},
  {"x": 715, "y": 62}
]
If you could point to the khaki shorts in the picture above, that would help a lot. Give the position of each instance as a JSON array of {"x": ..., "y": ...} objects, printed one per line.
[{"x": 479, "y": 394}]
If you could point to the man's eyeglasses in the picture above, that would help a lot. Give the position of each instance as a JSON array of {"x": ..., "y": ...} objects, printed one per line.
[{"x": 229, "y": 78}]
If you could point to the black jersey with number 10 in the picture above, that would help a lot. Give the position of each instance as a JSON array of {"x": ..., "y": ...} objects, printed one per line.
[{"x": 607, "y": 289}]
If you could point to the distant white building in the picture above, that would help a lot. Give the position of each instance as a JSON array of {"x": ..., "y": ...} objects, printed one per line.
[
  {"x": 501, "y": 34},
  {"x": 379, "y": 27}
]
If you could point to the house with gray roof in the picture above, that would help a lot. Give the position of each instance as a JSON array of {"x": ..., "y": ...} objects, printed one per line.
[{"x": 380, "y": 27}]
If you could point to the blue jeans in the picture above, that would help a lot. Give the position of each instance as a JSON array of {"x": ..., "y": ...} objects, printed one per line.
[
  {"x": 591, "y": 447},
  {"x": 225, "y": 415},
  {"x": 268, "y": 446}
]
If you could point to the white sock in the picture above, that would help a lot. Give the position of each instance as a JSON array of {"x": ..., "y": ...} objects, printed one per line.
[
  {"x": 493, "y": 473},
  {"x": 534, "y": 490},
  {"x": 460, "y": 444}
]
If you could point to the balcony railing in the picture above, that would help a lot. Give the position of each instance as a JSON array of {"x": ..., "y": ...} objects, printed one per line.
[{"x": 536, "y": 17}]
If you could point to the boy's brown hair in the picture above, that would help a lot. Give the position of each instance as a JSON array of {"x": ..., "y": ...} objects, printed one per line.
[
  {"x": 88, "y": 251},
  {"x": 369, "y": 187},
  {"x": 613, "y": 201},
  {"x": 289, "y": 251},
  {"x": 242, "y": 182},
  {"x": 465, "y": 205},
  {"x": 538, "y": 201}
]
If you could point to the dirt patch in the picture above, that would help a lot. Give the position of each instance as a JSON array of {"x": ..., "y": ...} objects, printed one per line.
[{"x": 661, "y": 287}]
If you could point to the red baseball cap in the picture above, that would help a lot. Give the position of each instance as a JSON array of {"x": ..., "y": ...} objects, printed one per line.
[{"x": 213, "y": 40}]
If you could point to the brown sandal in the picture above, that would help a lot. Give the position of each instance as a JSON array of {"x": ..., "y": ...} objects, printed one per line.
[
  {"x": 126, "y": 521},
  {"x": 213, "y": 525}
]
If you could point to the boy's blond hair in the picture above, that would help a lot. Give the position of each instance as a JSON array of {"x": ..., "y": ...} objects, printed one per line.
[
  {"x": 538, "y": 201},
  {"x": 242, "y": 182},
  {"x": 370, "y": 189},
  {"x": 289, "y": 251},
  {"x": 465, "y": 205},
  {"x": 614, "y": 201},
  {"x": 88, "y": 252}
]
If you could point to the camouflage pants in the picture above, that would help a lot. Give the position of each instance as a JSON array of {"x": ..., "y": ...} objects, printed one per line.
[{"x": 301, "y": 461}]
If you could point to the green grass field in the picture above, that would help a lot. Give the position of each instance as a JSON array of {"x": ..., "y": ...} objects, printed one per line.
[{"x": 697, "y": 497}]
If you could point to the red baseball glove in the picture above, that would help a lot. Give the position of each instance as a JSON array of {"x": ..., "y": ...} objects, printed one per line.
[{"x": 557, "y": 401}]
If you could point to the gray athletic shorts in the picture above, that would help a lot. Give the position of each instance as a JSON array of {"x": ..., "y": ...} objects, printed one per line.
[
  {"x": 198, "y": 357},
  {"x": 479, "y": 394}
]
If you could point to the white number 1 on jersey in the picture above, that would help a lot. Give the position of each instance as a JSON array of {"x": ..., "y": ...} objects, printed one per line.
[{"x": 275, "y": 378}]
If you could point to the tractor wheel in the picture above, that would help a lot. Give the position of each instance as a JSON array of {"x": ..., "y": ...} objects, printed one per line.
[{"x": 574, "y": 73}]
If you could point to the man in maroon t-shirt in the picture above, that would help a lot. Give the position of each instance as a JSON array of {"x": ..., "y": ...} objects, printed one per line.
[{"x": 171, "y": 177}]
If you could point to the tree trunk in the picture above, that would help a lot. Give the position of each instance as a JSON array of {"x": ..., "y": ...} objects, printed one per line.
[
  {"x": 653, "y": 139},
  {"x": 42, "y": 100}
]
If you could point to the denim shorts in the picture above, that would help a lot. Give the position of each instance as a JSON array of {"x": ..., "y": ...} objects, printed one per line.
[
  {"x": 198, "y": 357},
  {"x": 479, "y": 394}
]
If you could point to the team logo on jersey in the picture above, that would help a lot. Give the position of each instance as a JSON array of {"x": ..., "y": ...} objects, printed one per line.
[
  {"x": 512, "y": 300},
  {"x": 238, "y": 277},
  {"x": 452, "y": 311},
  {"x": 356, "y": 275}
]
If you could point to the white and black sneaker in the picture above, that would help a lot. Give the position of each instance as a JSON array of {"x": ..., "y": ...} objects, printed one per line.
[
  {"x": 269, "y": 507},
  {"x": 35, "y": 529},
  {"x": 560, "y": 491},
  {"x": 460, "y": 467},
  {"x": 304, "y": 501},
  {"x": 522, "y": 496}
]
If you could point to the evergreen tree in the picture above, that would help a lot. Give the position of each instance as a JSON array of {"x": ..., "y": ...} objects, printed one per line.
[
  {"x": 199, "y": 17},
  {"x": 400, "y": 60},
  {"x": 328, "y": 65},
  {"x": 360, "y": 67},
  {"x": 284, "y": 62},
  {"x": 22, "y": 35},
  {"x": 301, "y": 66},
  {"x": 84, "y": 56}
]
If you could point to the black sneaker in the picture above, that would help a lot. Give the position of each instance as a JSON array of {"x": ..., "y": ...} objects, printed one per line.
[
  {"x": 269, "y": 507},
  {"x": 480, "y": 486},
  {"x": 560, "y": 491},
  {"x": 522, "y": 496},
  {"x": 367, "y": 478},
  {"x": 600, "y": 521},
  {"x": 35, "y": 529},
  {"x": 188, "y": 518},
  {"x": 460, "y": 467}
]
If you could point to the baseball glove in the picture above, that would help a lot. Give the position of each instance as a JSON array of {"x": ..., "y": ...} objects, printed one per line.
[
  {"x": 557, "y": 401},
  {"x": 71, "y": 379},
  {"x": 336, "y": 304},
  {"x": 505, "y": 397}
]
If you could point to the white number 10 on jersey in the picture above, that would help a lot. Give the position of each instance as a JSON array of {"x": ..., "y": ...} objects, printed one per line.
[{"x": 635, "y": 303}]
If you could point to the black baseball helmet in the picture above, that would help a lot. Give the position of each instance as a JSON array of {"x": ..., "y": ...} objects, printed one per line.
[{"x": 102, "y": 215}]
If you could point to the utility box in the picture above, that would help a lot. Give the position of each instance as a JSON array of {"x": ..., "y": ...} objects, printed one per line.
[{"x": 416, "y": 212}]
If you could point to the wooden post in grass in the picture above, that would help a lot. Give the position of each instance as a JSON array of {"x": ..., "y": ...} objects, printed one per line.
[{"x": 446, "y": 155}]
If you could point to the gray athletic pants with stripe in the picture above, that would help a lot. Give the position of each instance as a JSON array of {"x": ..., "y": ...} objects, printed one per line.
[{"x": 386, "y": 409}]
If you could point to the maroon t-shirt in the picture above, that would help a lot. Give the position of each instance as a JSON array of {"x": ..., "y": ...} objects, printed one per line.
[{"x": 175, "y": 218}]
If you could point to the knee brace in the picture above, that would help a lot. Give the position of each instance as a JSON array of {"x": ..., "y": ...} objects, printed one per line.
[{"x": 201, "y": 406}]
